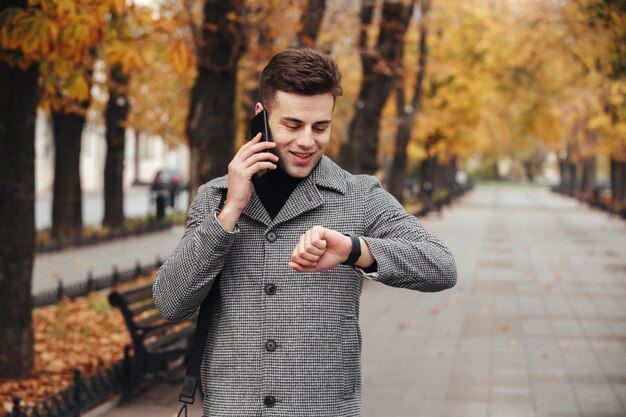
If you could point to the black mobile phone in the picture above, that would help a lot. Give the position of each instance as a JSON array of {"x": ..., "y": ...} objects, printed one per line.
[{"x": 259, "y": 124}]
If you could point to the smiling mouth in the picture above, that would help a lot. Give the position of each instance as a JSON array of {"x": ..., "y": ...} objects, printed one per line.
[{"x": 302, "y": 155}]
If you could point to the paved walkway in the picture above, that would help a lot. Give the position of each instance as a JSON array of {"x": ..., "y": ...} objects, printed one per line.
[
  {"x": 536, "y": 326},
  {"x": 73, "y": 264}
]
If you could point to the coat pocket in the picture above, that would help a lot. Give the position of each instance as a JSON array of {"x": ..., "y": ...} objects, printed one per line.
[{"x": 350, "y": 354}]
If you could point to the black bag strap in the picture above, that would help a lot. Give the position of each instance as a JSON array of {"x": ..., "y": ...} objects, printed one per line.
[{"x": 190, "y": 383}]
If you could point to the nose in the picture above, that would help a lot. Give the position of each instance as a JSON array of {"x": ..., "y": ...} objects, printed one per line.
[{"x": 305, "y": 139}]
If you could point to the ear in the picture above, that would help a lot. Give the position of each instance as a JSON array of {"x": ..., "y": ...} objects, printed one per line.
[{"x": 257, "y": 108}]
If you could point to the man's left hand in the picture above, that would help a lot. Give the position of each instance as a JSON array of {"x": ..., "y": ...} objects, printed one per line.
[{"x": 320, "y": 249}]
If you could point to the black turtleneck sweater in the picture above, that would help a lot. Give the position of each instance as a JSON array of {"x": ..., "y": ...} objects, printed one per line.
[{"x": 274, "y": 188}]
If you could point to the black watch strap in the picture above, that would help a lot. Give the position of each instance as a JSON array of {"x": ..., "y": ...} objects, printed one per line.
[{"x": 355, "y": 253}]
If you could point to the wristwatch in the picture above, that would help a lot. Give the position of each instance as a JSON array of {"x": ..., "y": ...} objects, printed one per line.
[{"x": 355, "y": 253}]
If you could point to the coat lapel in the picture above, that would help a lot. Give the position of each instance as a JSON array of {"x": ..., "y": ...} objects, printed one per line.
[
  {"x": 306, "y": 196},
  {"x": 256, "y": 210}
]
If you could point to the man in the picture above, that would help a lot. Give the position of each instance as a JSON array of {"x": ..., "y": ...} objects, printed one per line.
[{"x": 292, "y": 247}]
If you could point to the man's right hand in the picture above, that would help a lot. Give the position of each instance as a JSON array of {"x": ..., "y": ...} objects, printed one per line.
[{"x": 251, "y": 158}]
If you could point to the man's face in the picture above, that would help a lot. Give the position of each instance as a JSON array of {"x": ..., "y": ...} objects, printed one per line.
[{"x": 300, "y": 126}]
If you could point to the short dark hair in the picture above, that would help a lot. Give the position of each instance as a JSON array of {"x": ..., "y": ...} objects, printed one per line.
[{"x": 302, "y": 71}]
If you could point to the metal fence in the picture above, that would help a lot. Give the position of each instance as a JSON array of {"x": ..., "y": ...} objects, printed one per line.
[
  {"x": 84, "y": 393},
  {"x": 79, "y": 289},
  {"x": 595, "y": 200}
]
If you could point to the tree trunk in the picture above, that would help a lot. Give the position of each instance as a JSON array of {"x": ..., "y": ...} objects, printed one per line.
[
  {"x": 211, "y": 122},
  {"x": 407, "y": 116},
  {"x": 439, "y": 175},
  {"x": 588, "y": 181},
  {"x": 137, "y": 164},
  {"x": 397, "y": 177},
  {"x": 572, "y": 177},
  {"x": 569, "y": 174},
  {"x": 19, "y": 95},
  {"x": 359, "y": 153},
  {"x": 115, "y": 118},
  {"x": 495, "y": 170},
  {"x": 618, "y": 180},
  {"x": 67, "y": 215},
  {"x": 310, "y": 22},
  {"x": 622, "y": 188},
  {"x": 528, "y": 168},
  {"x": 427, "y": 177},
  {"x": 451, "y": 170}
]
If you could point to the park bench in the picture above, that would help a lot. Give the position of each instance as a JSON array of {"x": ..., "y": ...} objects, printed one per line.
[{"x": 158, "y": 345}]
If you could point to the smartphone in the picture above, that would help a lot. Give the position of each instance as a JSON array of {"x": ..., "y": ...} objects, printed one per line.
[{"x": 259, "y": 124}]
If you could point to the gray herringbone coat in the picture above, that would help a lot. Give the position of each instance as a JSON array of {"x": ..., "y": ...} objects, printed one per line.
[{"x": 311, "y": 367}]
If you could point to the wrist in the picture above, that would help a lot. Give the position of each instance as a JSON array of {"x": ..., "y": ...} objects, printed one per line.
[
  {"x": 367, "y": 259},
  {"x": 228, "y": 217}
]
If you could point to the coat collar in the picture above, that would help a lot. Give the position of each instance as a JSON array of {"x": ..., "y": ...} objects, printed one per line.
[
  {"x": 304, "y": 198},
  {"x": 328, "y": 174}
]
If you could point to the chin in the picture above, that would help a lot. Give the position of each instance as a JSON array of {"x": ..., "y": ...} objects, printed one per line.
[{"x": 298, "y": 172}]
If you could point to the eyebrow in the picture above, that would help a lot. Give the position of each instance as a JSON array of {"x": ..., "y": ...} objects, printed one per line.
[{"x": 294, "y": 120}]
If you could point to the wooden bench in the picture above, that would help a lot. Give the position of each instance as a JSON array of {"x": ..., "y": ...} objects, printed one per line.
[{"x": 157, "y": 343}]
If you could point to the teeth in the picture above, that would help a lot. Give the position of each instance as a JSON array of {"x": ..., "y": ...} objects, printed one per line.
[{"x": 302, "y": 155}]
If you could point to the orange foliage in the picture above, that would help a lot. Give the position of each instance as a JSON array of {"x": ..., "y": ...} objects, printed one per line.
[{"x": 86, "y": 333}]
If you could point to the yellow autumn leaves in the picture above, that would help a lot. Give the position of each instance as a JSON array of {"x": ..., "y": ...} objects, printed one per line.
[{"x": 66, "y": 37}]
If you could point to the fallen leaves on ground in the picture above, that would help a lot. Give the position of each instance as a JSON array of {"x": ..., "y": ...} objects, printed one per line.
[{"x": 86, "y": 333}]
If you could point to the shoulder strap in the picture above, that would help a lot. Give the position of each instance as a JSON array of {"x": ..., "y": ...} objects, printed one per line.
[{"x": 190, "y": 383}]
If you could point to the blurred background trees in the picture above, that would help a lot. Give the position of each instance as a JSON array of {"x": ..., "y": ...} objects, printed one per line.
[{"x": 434, "y": 91}]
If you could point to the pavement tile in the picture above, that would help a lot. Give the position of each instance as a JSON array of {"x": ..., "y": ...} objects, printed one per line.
[
  {"x": 554, "y": 397},
  {"x": 511, "y": 395},
  {"x": 508, "y": 409},
  {"x": 509, "y": 378},
  {"x": 465, "y": 409},
  {"x": 620, "y": 391},
  {"x": 597, "y": 328},
  {"x": 463, "y": 392},
  {"x": 566, "y": 328},
  {"x": 537, "y": 327},
  {"x": 598, "y": 399}
]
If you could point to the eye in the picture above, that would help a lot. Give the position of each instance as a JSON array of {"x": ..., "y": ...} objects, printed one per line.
[
  {"x": 320, "y": 129},
  {"x": 292, "y": 127}
]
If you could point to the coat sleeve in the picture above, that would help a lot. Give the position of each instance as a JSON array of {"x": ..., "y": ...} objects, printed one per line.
[
  {"x": 406, "y": 254},
  {"x": 185, "y": 278}
]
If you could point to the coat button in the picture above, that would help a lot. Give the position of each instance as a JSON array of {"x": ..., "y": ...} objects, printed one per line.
[
  {"x": 270, "y": 289},
  {"x": 269, "y": 401},
  {"x": 271, "y": 236},
  {"x": 270, "y": 345}
]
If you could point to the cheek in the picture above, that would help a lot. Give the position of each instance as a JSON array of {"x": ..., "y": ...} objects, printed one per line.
[
  {"x": 281, "y": 138},
  {"x": 323, "y": 140},
  {"x": 280, "y": 151}
]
